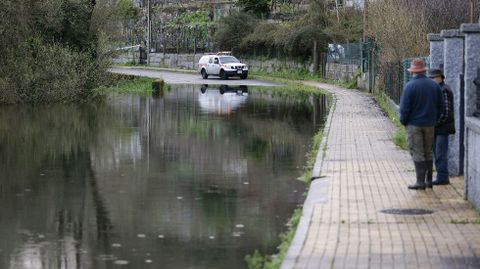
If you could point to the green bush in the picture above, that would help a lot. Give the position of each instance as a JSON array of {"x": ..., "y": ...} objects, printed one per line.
[
  {"x": 52, "y": 51},
  {"x": 298, "y": 41},
  {"x": 262, "y": 38},
  {"x": 231, "y": 30},
  {"x": 47, "y": 73},
  {"x": 261, "y": 8},
  {"x": 293, "y": 38},
  {"x": 125, "y": 10}
]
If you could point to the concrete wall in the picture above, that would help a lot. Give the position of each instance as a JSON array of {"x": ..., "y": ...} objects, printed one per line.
[
  {"x": 453, "y": 62},
  {"x": 334, "y": 71},
  {"x": 190, "y": 61},
  {"x": 472, "y": 163},
  {"x": 463, "y": 57},
  {"x": 341, "y": 72},
  {"x": 472, "y": 120},
  {"x": 172, "y": 60},
  {"x": 436, "y": 51},
  {"x": 127, "y": 57},
  {"x": 275, "y": 65}
]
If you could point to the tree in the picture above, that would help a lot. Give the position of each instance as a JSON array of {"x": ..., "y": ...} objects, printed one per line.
[
  {"x": 348, "y": 28},
  {"x": 75, "y": 32},
  {"x": 231, "y": 30},
  {"x": 51, "y": 51},
  {"x": 400, "y": 27},
  {"x": 125, "y": 10}
]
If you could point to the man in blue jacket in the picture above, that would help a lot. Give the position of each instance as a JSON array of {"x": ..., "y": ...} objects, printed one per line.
[{"x": 420, "y": 107}]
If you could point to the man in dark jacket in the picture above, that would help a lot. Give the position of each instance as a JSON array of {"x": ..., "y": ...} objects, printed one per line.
[
  {"x": 445, "y": 127},
  {"x": 420, "y": 107}
]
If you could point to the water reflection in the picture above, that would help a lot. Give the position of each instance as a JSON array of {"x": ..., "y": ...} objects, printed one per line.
[
  {"x": 151, "y": 182},
  {"x": 222, "y": 99}
]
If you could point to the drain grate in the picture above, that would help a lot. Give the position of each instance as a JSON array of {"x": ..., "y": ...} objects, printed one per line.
[{"x": 407, "y": 211}]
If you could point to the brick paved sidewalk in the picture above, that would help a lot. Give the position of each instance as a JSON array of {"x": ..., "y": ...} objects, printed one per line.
[{"x": 363, "y": 173}]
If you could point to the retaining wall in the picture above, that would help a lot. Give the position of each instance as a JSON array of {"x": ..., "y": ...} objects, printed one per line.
[
  {"x": 462, "y": 68},
  {"x": 341, "y": 72},
  {"x": 334, "y": 71}
]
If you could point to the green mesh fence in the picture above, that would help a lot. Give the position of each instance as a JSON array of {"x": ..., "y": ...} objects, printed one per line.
[{"x": 345, "y": 53}]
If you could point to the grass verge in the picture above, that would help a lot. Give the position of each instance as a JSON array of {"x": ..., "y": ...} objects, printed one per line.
[
  {"x": 259, "y": 261},
  {"x": 312, "y": 156},
  {"x": 159, "y": 68},
  {"x": 289, "y": 75},
  {"x": 289, "y": 88},
  {"x": 400, "y": 136},
  {"x": 142, "y": 86},
  {"x": 465, "y": 221}
]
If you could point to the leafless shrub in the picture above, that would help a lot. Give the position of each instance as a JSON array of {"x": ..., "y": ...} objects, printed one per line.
[
  {"x": 440, "y": 14},
  {"x": 399, "y": 33},
  {"x": 401, "y": 26}
]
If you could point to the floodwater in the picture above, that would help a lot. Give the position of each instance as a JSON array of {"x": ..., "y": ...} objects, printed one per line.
[{"x": 194, "y": 177}]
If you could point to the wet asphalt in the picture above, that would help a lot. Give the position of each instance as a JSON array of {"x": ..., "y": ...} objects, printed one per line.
[{"x": 174, "y": 77}]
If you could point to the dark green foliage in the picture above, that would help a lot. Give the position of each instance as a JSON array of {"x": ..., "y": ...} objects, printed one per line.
[
  {"x": 260, "y": 8},
  {"x": 231, "y": 30},
  {"x": 75, "y": 31},
  {"x": 348, "y": 27},
  {"x": 261, "y": 40},
  {"x": 48, "y": 73},
  {"x": 301, "y": 34},
  {"x": 293, "y": 38},
  {"x": 50, "y": 51},
  {"x": 190, "y": 19},
  {"x": 125, "y": 10},
  {"x": 299, "y": 42},
  {"x": 269, "y": 38}
]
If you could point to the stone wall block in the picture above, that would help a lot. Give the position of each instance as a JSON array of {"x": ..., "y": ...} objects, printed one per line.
[
  {"x": 453, "y": 67},
  {"x": 472, "y": 126},
  {"x": 436, "y": 51}
]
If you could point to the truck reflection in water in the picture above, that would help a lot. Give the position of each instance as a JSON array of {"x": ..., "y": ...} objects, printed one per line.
[{"x": 222, "y": 99}]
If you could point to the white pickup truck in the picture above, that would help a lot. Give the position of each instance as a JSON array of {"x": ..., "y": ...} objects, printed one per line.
[{"x": 223, "y": 65}]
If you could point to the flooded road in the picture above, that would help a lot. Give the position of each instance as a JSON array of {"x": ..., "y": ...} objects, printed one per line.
[
  {"x": 196, "y": 177},
  {"x": 188, "y": 78}
]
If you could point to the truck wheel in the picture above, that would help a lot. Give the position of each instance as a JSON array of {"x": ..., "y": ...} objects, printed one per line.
[
  {"x": 204, "y": 74},
  {"x": 244, "y": 76},
  {"x": 223, "y": 75}
]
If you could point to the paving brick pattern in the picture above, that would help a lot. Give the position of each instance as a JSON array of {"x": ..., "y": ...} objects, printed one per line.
[{"x": 366, "y": 173}]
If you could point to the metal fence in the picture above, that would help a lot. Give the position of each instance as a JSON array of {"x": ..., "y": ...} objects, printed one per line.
[
  {"x": 181, "y": 39},
  {"x": 395, "y": 76},
  {"x": 406, "y": 64},
  {"x": 393, "y": 80}
]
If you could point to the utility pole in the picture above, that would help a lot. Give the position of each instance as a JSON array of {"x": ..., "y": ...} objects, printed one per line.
[
  {"x": 149, "y": 34},
  {"x": 365, "y": 19}
]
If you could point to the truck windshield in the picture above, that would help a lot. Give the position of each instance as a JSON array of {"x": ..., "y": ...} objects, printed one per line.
[{"x": 228, "y": 60}]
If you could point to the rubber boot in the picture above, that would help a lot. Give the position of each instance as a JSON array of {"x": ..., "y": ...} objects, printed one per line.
[
  {"x": 429, "y": 168},
  {"x": 420, "y": 170}
]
